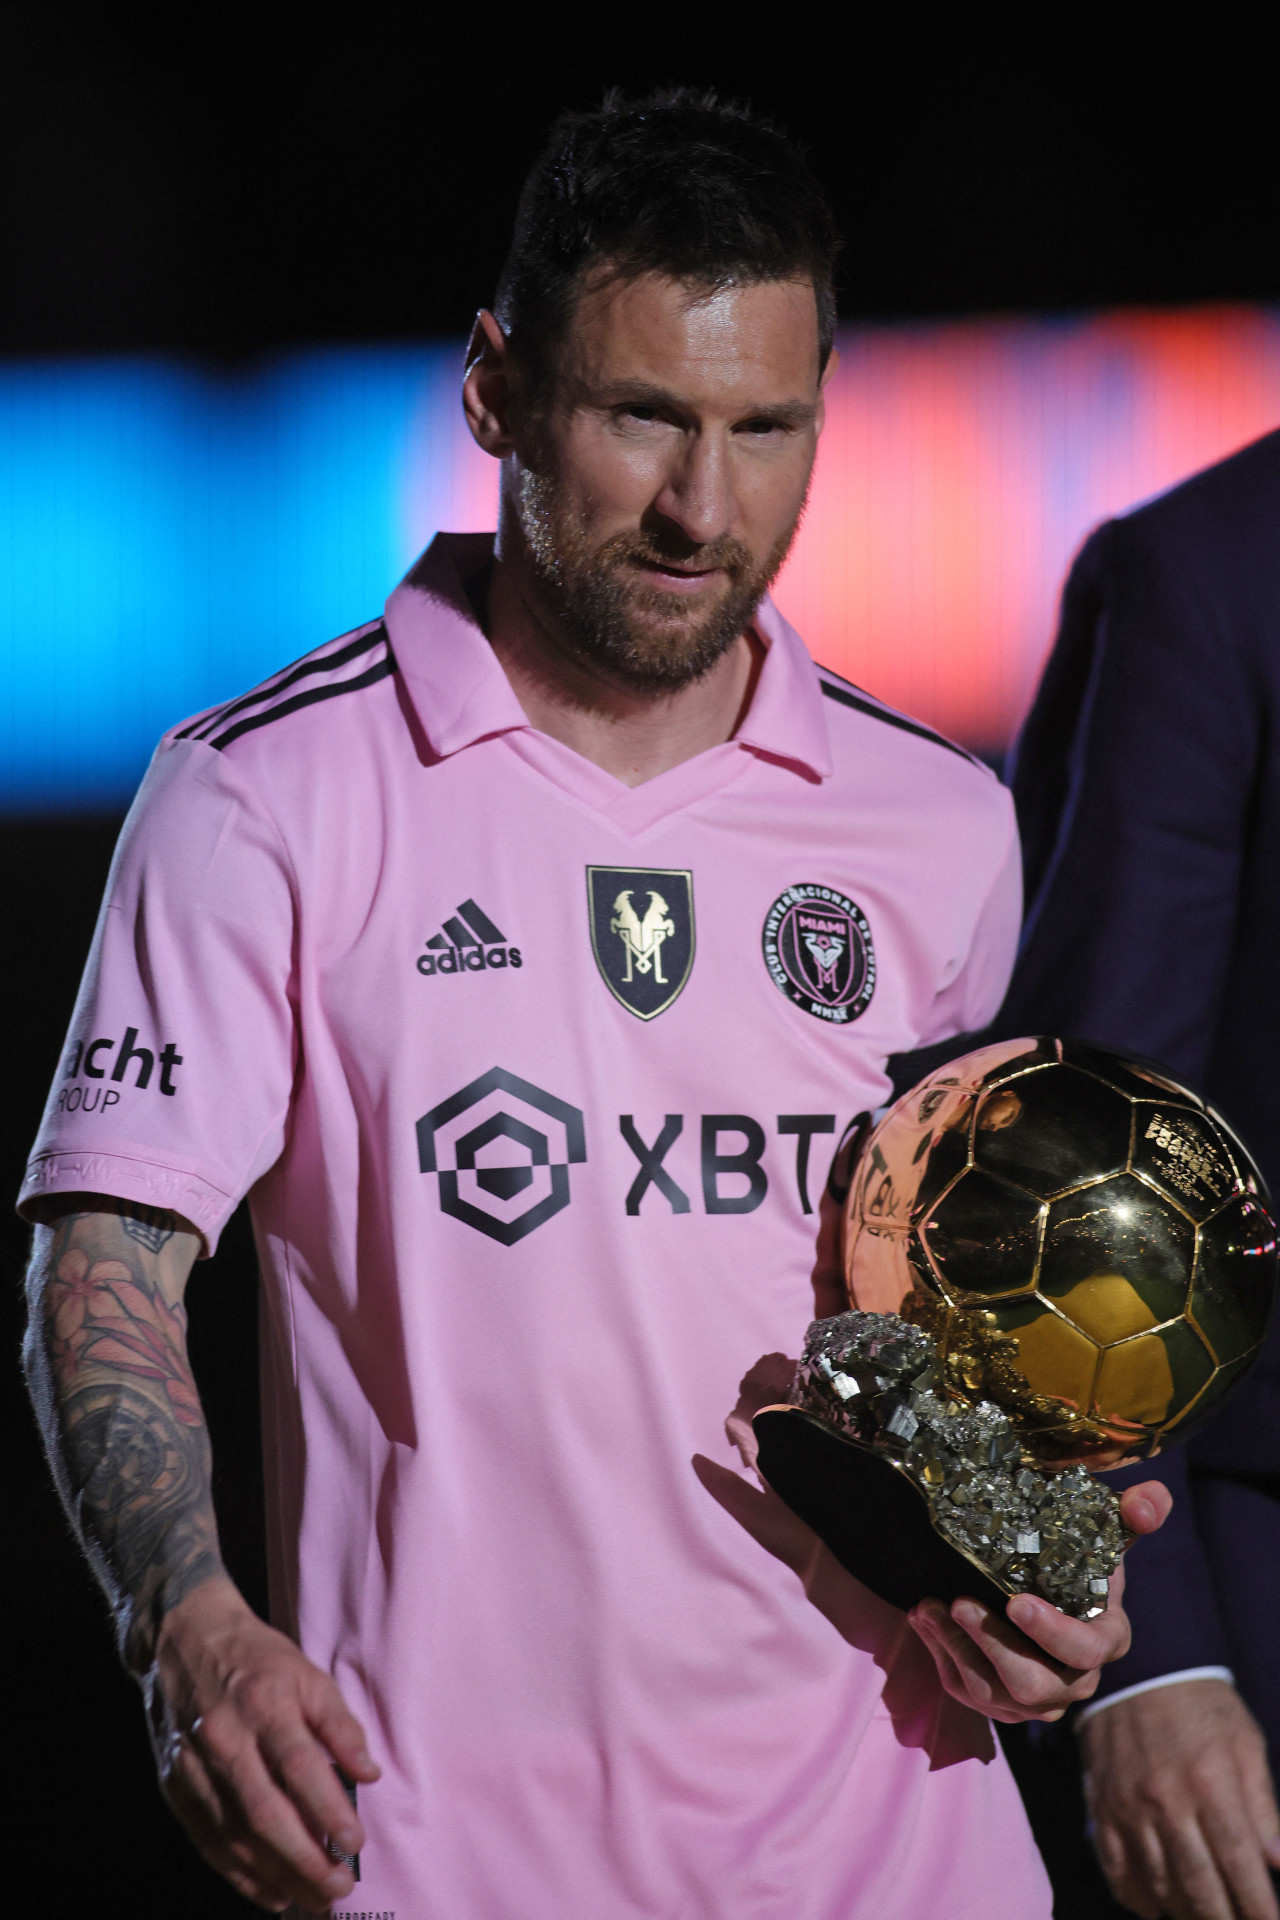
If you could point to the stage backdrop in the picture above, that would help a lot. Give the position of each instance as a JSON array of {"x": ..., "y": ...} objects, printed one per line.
[{"x": 169, "y": 534}]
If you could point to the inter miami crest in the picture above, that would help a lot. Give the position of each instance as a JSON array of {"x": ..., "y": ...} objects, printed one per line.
[
  {"x": 817, "y": 947},
  {"x": 642, "y": 933}
]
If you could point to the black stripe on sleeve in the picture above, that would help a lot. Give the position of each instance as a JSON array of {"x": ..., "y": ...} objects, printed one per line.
[
  {"x": 368, "y": 678},
  {"x": 365, "y": 643},
  {"x": 847, "y": 698}
]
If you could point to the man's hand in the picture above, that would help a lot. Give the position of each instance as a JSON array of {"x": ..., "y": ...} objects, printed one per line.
[
  {"x": 246, "y": 1731},
  {"x": 1033, "y": 1662},
  {"x": 247, "y": 1735},
  {"x": 1183, "y": 1810}
]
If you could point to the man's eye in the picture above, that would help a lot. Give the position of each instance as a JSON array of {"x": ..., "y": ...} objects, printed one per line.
[
  {"x": 643, "y": 414},
  {"x": 760, "y": 426}
]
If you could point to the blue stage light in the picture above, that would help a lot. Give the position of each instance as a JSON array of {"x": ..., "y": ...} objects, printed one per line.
[{"x": 170, "y": 536}]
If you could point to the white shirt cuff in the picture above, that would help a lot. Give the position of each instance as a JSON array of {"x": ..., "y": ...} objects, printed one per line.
[{"x": 1148, "y": 1686}]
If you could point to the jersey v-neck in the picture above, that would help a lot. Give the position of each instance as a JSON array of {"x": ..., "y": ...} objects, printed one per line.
[{"x": 461, "y": 696}]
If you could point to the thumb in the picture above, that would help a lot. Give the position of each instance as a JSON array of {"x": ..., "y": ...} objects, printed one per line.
[{"x": 1146, "y": 1507}]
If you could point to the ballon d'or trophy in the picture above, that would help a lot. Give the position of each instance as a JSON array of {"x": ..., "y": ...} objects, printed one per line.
[{"x": 1056, "y": 1258}]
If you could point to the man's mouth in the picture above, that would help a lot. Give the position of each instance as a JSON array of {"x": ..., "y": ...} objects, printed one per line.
[{"x": 676, "y": 579}]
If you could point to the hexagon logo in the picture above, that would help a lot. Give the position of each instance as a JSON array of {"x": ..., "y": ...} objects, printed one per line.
[{"x": 501, "y": 1149}]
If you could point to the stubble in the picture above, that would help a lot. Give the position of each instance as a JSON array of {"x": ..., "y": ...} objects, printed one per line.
[{"x": 643, "y": 638}]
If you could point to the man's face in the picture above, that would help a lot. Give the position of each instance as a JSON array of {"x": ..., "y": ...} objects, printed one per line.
[{"x": 660, "y": 483}]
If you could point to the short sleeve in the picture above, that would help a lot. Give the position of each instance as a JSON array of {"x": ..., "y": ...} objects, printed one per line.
[
  {"x": 175, "y": 1082},
  {"x": 973, "y": 993}
]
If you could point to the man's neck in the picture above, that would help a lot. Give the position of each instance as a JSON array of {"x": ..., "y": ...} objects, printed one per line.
[{"x": 634, "y": 736}]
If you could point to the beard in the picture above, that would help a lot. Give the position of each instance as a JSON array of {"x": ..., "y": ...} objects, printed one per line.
[{"x": 643, "y": 638}]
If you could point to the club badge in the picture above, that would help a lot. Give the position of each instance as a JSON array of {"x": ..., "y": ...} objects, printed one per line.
[
  {"x": 817, "y": 947},
  {"x": 642, "y": 934}
]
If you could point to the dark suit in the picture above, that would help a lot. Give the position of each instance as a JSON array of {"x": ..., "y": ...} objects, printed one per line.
[{"x": 1147, "y": 781}]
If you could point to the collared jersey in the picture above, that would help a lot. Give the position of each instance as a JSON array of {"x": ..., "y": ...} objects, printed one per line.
[{"x": 534, "y": 1080}]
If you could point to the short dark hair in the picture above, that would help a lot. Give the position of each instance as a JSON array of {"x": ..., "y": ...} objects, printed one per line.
[{"x": 679, "y": 183}]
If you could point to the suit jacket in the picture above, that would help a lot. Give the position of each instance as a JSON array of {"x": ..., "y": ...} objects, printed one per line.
[{"x": 1147, "y": 782}]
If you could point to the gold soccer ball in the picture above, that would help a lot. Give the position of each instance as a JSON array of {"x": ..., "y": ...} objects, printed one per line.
[{"x": 1077, "y": 1223}]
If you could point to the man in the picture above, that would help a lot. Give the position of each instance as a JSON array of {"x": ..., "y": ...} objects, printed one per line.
[
  {"x": 474, "y": 947},
  {"x": 1146, "y": 782}
]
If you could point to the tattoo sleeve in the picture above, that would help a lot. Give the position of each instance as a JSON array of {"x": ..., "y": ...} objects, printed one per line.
[{"x": 106, "y": 1360}]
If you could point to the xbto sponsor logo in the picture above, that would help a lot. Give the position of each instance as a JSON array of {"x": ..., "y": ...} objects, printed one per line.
[
  {"x": 501, "y": 1149},
  {"x": 733, "y": 1180},
  {"x": 91, "y": 1061},
  {"x": 468, "y": 943}
]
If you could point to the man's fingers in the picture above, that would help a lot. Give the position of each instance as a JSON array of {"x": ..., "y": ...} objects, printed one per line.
[
  {"x": 1032, "y": 1676},
  {"x": 1258, "y": 1792},
  {"x": 1146, "y": 1507},
  {"x": 1130, "y": 1889},
  {"x": 1197, "y": 1888},
  {"x": 209, "y": 1824},
  {"x": 1083, "y": 1645},
  {"x": 948, "y": 1672},
  {"x": 1228, "y": 1835},
  {"x": 1180, "y": 1775},
  {"x": 306, "y": 1774},
  {"x": 254, "y": 1774},
  {"x": 1148, "y": 1877},
  {"x": 1233, "y": 1814},
  {"x": 977, "y": 1681},
  {"x": 263, "y": 1828},
  {"x": 343, "y": 1735}
]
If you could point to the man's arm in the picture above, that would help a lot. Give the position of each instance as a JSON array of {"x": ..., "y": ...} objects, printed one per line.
[{"x": 246, "y": 1731}]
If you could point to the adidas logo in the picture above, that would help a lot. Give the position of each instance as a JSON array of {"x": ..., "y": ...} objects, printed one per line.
[{"x": 468, "y": 943}]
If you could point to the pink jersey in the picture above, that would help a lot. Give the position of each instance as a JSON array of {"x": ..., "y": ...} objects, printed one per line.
[{"x": 534, "y": 1080}]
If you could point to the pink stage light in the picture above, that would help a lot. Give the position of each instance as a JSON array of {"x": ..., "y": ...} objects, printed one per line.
[{"x": 962, "y": 466}]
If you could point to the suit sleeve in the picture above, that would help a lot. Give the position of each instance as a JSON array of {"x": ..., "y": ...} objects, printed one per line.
[
  {"x": 1133, "y": 779},
  {"x": 175, "y": 1084}
]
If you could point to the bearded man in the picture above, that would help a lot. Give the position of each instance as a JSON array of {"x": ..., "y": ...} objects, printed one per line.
[{"x": 527, "y": 1213}]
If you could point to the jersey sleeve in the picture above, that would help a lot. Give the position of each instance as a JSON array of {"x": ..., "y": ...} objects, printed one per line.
[
  {"x": 973, "y": 992},
  {"x": 175, "y": 1083}
]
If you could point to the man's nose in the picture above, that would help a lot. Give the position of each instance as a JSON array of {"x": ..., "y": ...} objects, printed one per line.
[{"x": 697, "y": 494}]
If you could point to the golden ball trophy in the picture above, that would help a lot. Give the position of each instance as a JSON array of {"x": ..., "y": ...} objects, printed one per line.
[{"x": 1056, "y": 1258}]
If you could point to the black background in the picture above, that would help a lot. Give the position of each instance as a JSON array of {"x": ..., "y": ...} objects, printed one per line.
[{"x": 222, "y": 183}]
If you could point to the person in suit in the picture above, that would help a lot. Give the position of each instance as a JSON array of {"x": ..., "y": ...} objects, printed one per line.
[{"x": 1147, "y": 784}]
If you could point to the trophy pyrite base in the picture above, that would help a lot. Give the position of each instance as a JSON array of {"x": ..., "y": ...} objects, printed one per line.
[
  {"x": 868, "y": 1511},
  {"x": 922, "y": 1487}
]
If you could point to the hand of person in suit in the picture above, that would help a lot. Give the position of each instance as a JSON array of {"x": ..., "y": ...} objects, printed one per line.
[
  {"x": 1182, "y": 1803},
  {"x": 1033, "y": 1661}
]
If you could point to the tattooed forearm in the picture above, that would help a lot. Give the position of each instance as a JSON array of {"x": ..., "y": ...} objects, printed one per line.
[
  {"x": 107, "y": 1362},
  {"x": 151, "y": 1227}
]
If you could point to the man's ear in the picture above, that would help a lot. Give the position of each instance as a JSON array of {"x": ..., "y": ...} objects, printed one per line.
[
  {"x": 833, "y": 361},
  {"x": 488, "y": 387}
]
